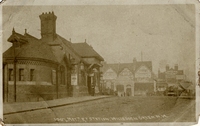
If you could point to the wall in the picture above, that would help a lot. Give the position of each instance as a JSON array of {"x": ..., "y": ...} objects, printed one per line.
[
  {"x": 109, "y": 74},
  {"x": 39, "y": 89},
  {"x": 143, "y": 74},
  {"x": 126, "y": 72}
]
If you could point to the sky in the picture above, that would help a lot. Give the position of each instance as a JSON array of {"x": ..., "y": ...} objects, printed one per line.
[{"x": 165, "y": 34}]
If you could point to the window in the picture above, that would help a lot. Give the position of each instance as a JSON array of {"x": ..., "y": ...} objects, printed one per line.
[
  {"x": 32, "y": 75},
  {"x": 62, "y": 75},
  {"x": 21, "y": 74},
  {"x": 10, "y": 76},
  {"x": 53, "y": 76}
]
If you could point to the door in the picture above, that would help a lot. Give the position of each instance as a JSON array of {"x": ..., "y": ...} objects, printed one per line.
[{"x": 89, "y": 84}]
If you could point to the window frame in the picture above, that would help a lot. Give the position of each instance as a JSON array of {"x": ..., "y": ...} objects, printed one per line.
[
  {"x": 10, "y": 74},
  {"x": 21, "y": 74}
]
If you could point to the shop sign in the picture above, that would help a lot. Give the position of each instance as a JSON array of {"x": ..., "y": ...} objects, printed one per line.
[
  {"x": 91, "y": 75},
  {"x": 74, "y": 79}
]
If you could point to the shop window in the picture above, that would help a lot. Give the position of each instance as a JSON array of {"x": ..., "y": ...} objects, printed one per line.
[
  {"x": 21, "y": 74},
  {"x": 10, "y": 76},
  {"x": 32, "y": 75}
]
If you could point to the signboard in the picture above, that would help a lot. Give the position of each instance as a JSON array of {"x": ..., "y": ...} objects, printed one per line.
[{"x": 74, "y": 79}]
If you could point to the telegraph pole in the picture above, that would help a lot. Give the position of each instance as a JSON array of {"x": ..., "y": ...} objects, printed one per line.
[{"x": 14, "y": 72}]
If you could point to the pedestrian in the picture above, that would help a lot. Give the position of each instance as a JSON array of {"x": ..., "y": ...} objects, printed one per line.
[{"x": 93, "y": 90}]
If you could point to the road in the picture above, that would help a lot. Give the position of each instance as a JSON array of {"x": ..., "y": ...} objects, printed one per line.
[{"x": 114, "y": 109}]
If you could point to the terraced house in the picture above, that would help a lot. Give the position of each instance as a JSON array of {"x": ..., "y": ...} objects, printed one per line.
[
  {"x": 129, "y": 79},
  {"x": 48, "y": 68}
]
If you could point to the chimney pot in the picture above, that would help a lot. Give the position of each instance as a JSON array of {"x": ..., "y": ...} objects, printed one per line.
[{"x": 13, "y": 31}]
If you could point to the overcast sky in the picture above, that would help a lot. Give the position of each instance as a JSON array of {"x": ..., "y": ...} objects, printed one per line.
[{"x": 164, "y": 33}]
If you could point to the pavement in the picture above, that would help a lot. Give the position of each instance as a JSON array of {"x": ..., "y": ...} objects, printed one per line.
[{"x": 11, "y": 108}]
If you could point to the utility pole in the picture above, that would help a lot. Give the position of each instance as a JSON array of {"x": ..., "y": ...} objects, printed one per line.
[
  {"x": 14, "y": 72},
  {"x": 141, "y": 56}
]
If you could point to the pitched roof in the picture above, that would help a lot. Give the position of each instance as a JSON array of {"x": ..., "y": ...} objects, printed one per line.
[
  {"x": 113, "y": 66},
  {"x": 145, "y": 63},
  {"x": 33, "y": 49},
  {"x": 129, "y": 66},
  {"x": 85, "y": 51},
  {"x": 118, "y": 67}
]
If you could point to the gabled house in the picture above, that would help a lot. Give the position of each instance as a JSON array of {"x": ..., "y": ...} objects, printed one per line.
[
  {"x": 139, "y": 73},
  {"x": 144, "y": 79},
  {"x": 126, "y": 70},
  {"x": 110, "y": 73},
  {"x": 47, "y": 68}
]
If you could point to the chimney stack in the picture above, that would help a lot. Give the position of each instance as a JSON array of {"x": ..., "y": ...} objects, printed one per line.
[{"x": 48, "y": 26}]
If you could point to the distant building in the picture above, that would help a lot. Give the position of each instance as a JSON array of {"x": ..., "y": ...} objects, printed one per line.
[
  {"x": 139, "y": 73},
  {"x": 48, "y": 68},
  {"x": 169, "y": 79},
  {"x": 171, "y": 75}
]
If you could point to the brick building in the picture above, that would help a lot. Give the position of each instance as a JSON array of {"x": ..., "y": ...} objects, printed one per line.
[
  {"x": 171, "y": 75},
  {"x": 47, "y": 68}
]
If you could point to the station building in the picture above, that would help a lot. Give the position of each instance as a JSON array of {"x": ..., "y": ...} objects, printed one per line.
[{"x": 48, "y": 68}]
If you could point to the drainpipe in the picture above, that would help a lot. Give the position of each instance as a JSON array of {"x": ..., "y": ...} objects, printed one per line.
[{"x": 57, "y": 82}]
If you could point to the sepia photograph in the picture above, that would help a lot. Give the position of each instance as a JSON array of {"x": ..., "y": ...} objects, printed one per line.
[{"x": 128, "y": 63}]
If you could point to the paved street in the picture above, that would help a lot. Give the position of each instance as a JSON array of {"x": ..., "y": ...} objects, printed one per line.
[{"x": 113, "y": 109}]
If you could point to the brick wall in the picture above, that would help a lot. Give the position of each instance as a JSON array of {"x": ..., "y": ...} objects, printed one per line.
[
  {"x": 27, "y": 93},
  {"x": 41, "y": 88}
]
